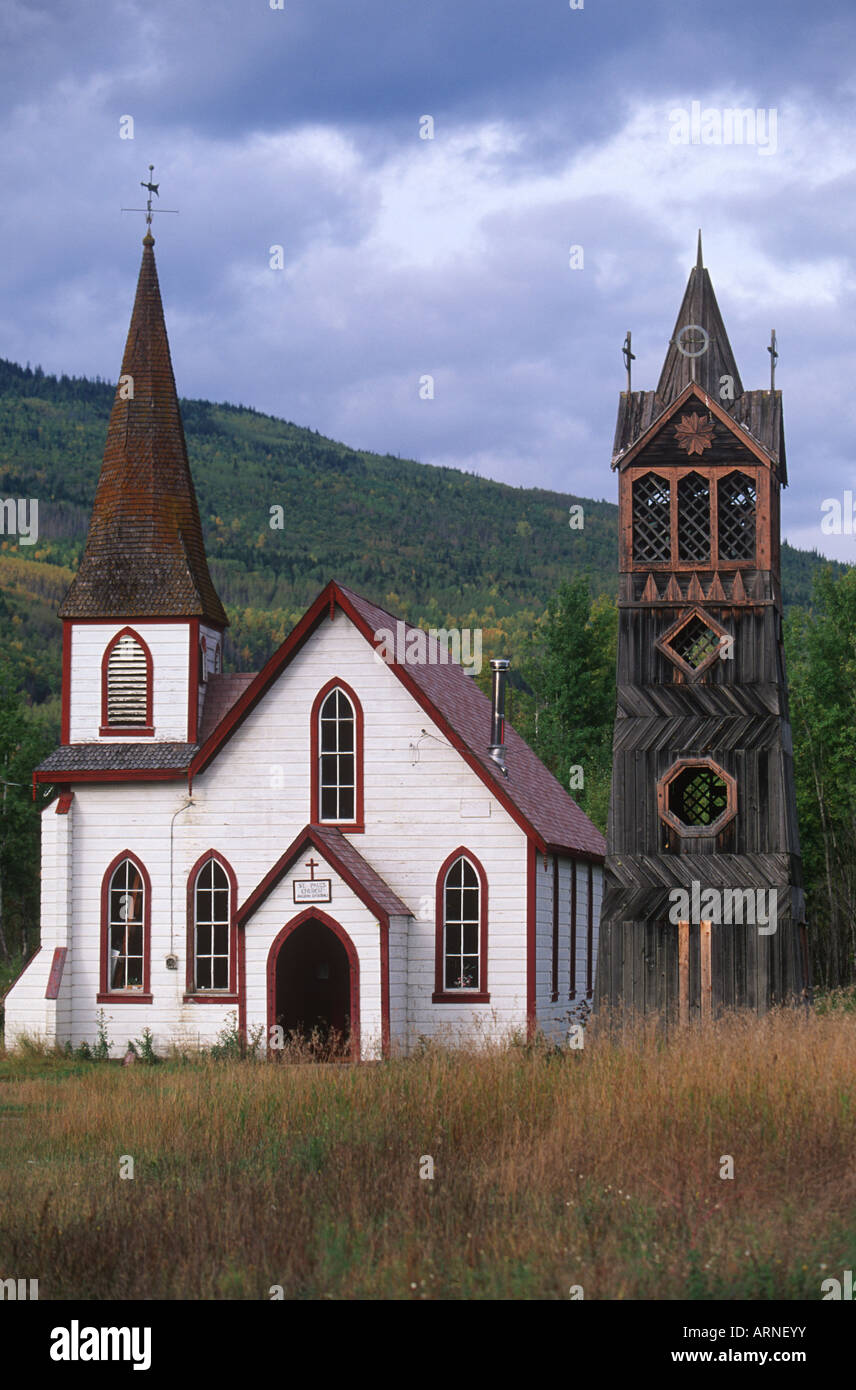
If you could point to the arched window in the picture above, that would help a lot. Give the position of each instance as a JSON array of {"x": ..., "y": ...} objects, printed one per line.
[
  {"x": 736, "y": 510},
  {"x": 212, "y": 893},
  {"x": 337, "y": 757},
  {"x": 217, "y": 659},
  {"x": 126, "y": 686},
  {"x": 461, "y": 943},
  {"x": 125, "y": 931},
  {"x": 202, "y": 668}
]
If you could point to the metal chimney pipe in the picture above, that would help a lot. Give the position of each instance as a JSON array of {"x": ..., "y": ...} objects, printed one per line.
[{"x": 499, "y": 666}]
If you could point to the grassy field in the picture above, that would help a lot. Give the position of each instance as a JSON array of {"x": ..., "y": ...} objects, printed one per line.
[{"x": 598, "y": 1168}]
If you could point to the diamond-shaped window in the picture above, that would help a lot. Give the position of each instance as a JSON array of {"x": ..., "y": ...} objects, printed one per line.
[
  {"x": 697, "y": 797},
  {"x": 693, "y": 642}
]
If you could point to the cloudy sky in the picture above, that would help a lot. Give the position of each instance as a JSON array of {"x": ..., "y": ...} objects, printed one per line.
[{"x": 405, "y": 257}]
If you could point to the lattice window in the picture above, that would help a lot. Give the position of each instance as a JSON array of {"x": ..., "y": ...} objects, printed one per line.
[
  {"x": 127, "y": 683},
  {"x": 736, "y": 505},
  {"x": 695, "y": 642},
  {"x": 694, "y": 519},
  {"x": 698, "y": 796},
  {"x": 651, "y": 520}
]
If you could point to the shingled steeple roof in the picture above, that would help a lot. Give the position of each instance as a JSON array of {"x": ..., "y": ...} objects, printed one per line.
[
  {"x": 757, "y": 412},
  {"x": 700, "y": 309},
  {"x": 144, "y": 554}
]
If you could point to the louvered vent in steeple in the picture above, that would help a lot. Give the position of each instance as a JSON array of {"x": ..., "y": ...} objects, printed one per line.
[{"x": 127, "y": 684}]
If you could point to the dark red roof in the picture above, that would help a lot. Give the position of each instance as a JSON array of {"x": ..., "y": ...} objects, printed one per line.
[
  {"x": 221, "y": 693},
  {"x": 543, "y": 801},
  {"x": 144, "y": 553}
]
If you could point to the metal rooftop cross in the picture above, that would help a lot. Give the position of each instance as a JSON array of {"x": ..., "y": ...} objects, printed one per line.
[{"x": 148, "y": 209}]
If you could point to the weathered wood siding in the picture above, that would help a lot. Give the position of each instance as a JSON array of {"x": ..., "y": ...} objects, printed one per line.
[{"x": 575, "y": 985}]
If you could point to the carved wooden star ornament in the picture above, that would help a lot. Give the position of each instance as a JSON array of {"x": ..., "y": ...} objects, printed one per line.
[{"x": 694, "y": 433}]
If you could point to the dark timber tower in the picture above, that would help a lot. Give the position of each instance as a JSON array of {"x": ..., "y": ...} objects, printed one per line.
[{"x": 702, "y": 786}]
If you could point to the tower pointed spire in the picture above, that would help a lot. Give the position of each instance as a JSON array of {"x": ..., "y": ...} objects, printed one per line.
[
  {"x": 699, "y": 349},
  {"x": 144, "y": 555}
]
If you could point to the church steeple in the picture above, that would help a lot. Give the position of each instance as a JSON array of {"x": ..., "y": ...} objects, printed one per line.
[
  {"x": 714, "y": 359},
  {"x": 145, "y": 556}
]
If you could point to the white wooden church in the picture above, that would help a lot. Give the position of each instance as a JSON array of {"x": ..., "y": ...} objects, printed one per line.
[{"x": 351, "y": 840}]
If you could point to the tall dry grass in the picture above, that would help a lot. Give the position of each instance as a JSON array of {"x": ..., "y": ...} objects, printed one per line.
[{"x": 599, "y": 1169}]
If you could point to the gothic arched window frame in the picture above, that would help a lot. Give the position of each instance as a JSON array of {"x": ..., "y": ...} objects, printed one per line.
[
  {"x": 111, "y": 924},
  {"x": 443, "y": 994},
  {"x": 356, "y": 823},
  {"x": 194, "y": 993},
  {"x": 108, "y": 678}
]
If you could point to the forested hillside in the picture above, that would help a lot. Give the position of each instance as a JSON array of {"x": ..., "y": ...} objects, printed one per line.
[{"x": 435, "y": 546}]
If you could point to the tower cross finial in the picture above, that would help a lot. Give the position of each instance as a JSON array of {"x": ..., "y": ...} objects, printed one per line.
[
  {"x": 151, "y": 188},
  {"x": 628, "y": 358},
  {"x": 774, "y": 357}
]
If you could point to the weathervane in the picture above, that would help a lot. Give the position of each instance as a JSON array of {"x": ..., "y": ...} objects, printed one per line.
[
  {"x": 148, "y": 209},
  {"x": 628, "y": 358},
  {"x": 774, "y": 357}
]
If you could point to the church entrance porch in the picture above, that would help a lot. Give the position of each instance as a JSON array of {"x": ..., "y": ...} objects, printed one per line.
[{"x": 313, "y": 990}]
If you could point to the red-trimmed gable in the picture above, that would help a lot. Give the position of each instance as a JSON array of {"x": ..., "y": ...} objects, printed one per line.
[
  {"x": 530, "y": 792},
  {"x": 349, "y": 864}
]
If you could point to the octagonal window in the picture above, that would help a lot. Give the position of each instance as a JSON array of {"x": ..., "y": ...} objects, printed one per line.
[{"x": 697, "y": 797}]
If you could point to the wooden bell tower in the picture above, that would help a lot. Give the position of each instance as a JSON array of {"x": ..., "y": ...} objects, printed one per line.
[{"x": 703, "y": 905}]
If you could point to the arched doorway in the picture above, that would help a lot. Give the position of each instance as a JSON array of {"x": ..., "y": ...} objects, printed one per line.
[{"x": 313, "y": 985}]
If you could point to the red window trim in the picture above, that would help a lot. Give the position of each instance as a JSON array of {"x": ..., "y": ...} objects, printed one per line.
[
  {"x": 211, "y": 996},
  {"x": 442, "y": 995},
  {"x": 115, "y": 996},
  {"x": 357, "y": 826},
  {"x": 138, "y": 731}
]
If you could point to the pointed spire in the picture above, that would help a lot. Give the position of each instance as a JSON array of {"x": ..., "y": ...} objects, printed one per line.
[
  {"x": 144, "y": 554},
  {"x": 699, "y": 309}
]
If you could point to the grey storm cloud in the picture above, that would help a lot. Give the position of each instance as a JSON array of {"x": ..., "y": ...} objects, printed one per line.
[{"x": 405, "y": 257}]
